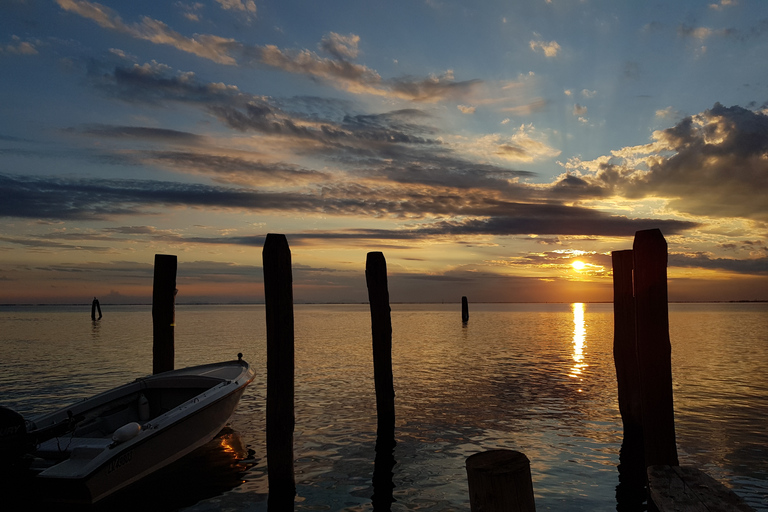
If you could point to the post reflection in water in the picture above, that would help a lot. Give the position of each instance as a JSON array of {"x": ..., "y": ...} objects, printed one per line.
[{"x": 579, "y": 341}]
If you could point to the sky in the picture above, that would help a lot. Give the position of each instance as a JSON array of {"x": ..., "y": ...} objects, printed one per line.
[{"x": 496, "y": 150}]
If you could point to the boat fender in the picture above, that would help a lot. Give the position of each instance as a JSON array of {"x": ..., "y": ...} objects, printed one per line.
[
  {"x": 126, "y": 432},
  {"x": 143, "y": 408}
]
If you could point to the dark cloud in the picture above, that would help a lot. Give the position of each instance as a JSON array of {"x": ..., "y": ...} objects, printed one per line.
[
  {"x": 702, "y": 260},
  {"x": 714, "y": 164},
  {"x": 140, "y": 132},
  {"x": 229, "y": 169},
  {"x": 61, "y": 198}
]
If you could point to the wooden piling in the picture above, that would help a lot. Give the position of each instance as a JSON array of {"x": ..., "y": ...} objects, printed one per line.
[
  {"x": 654, "y": 351},
  {"x": 163, "y": 313},
  {"x": 464, "y": 310},
  {"x": 278, "y": 299},
  {"x": 381, "y": 328},
  {"x": 500, "y": 481},
  {"x": 94, "y": 307},
  {"x": 625, "y": 342}
]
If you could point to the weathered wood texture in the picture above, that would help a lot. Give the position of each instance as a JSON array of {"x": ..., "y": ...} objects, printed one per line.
[
  {"x": 381, "y": 330},
  {"x": 654, "y": 352},
  {"x": 278, "y": 299},
  {"x": 687, "y": 489},
  {"x": 625, "y": 342},
  {"x": 163, "y": 313},
  {"x": 464, "y": 310},
  {"x": 500, "y": 481}
]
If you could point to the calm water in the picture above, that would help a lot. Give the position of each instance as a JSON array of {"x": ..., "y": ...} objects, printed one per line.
[{"x": 537, "y": 378}]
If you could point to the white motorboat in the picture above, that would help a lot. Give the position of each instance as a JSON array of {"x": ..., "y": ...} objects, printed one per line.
[{"x": 88, "y": 450}]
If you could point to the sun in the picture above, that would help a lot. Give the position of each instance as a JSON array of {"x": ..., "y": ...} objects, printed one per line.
[{"x": 578, "y": 265}]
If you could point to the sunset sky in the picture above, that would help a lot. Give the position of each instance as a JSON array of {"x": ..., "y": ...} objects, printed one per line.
[{"x": 483, "y": 147}]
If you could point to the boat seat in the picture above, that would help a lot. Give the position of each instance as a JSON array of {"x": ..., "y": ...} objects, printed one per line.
[{"x": 75, "y": 447}]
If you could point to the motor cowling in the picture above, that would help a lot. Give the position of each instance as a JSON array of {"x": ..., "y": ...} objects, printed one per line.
[{"x": 14, "y": 440}]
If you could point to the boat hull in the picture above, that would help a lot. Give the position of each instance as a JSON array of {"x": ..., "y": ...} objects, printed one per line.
[{"x": 98, "y": 467}]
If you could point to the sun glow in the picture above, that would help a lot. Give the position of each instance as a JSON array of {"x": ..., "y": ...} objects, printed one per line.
[{"x": 578, "y": 265}]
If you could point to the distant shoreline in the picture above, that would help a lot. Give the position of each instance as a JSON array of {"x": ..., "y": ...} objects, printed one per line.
[{"x": 88, "y": 304}]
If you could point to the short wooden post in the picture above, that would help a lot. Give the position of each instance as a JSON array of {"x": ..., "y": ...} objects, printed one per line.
[
  {"x": 464, "y": 310},
  {"x": 500, "y": 481},
  {"x": 94, "y": 307},
  {"x": 654, "y": 351},
  {"x": 163, "y": 313},
  {"x": 278, "y": 299},
  {"x": 381, "y": 329},
  {"x": 625, "y": 342}
]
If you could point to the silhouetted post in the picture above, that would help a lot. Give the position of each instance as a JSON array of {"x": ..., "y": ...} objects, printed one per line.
[
  {"x": 163, "y": 312},
  {"x": 381, "y": 329},
  {"x": 631, "y": 492},
  {"x": 625, "y": 342},
  {"x": 278, "y": 300},
  {"x": 464, "y": 310},
  {"x": 654, "y": 351},
  {"x": 95, "y": 306},
  {"x": 500, "y": 481}
]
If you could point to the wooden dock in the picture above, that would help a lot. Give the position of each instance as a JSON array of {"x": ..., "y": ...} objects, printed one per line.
[{"x": 687, "y": 489}]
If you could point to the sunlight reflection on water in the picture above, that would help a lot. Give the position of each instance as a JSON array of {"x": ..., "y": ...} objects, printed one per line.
[{"x": 538, "y": 378}]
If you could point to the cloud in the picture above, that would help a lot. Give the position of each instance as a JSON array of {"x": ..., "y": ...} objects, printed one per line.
[
  {"x": 550, "y": 49},
  {"x": 341, "y": 47},
  {"x": 723, "y": 4},
  {"x": 208, "y": 46},
  {"x": 19, "y": 47},
  {"x": 703, "y": 33},
  {"x": 338, "y": 71},
  {"x": 245, "y": 6},
  {"x": 579, "y": 110},
  {"x": 712, "y": 164},
  {"x": 703, "y": 260},
  {"x": 466, "y": 109}
]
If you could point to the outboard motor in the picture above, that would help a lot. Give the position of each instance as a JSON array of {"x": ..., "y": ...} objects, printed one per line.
[{"x": 14, "y": 440}]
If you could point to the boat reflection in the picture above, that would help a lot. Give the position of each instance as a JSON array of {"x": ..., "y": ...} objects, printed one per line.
[{"x": 579, "y": 341}]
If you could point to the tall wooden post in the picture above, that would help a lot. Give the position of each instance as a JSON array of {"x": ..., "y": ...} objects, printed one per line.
[
  {"x": 381, "y": 328},
  {"x": 163, "y": 313},
  {"x": 464, "y": 310},
  {"x": 625, "y": 342},
  {"x": 631, "y": 491},
  {"x": 500, "y": 481},
  {"x": 654, "y": 351},
  {"x": 278, "y": 299}
]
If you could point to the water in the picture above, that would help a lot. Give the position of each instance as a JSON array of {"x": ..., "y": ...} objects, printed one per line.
[{"x": 538, "y": 378}]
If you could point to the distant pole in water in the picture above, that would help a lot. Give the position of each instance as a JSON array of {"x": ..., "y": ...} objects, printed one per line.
[
  {"x": 278, "y": 299},
  {"x": 163, "y": 313},
  {"x": 381, "y": 329},
  {"x": 95, "y": 306},
  {"x": 654, "y": 351},
  {"x": 464, "y": 310}
]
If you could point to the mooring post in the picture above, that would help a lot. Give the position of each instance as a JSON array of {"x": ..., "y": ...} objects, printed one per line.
[
  {"x": 631, "y": 491},
  {"x": 278, "y": 300},
  {"x": 625, "y": 342},
  {"x": 500, "y": 481},
  {"x": 381, "y": 329},
  {"x": 163, "y": 313},
  {"x": 94, "y": 307},
  {"x": 464, "y": 310},
  {"x": 654, "y": 351}
]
